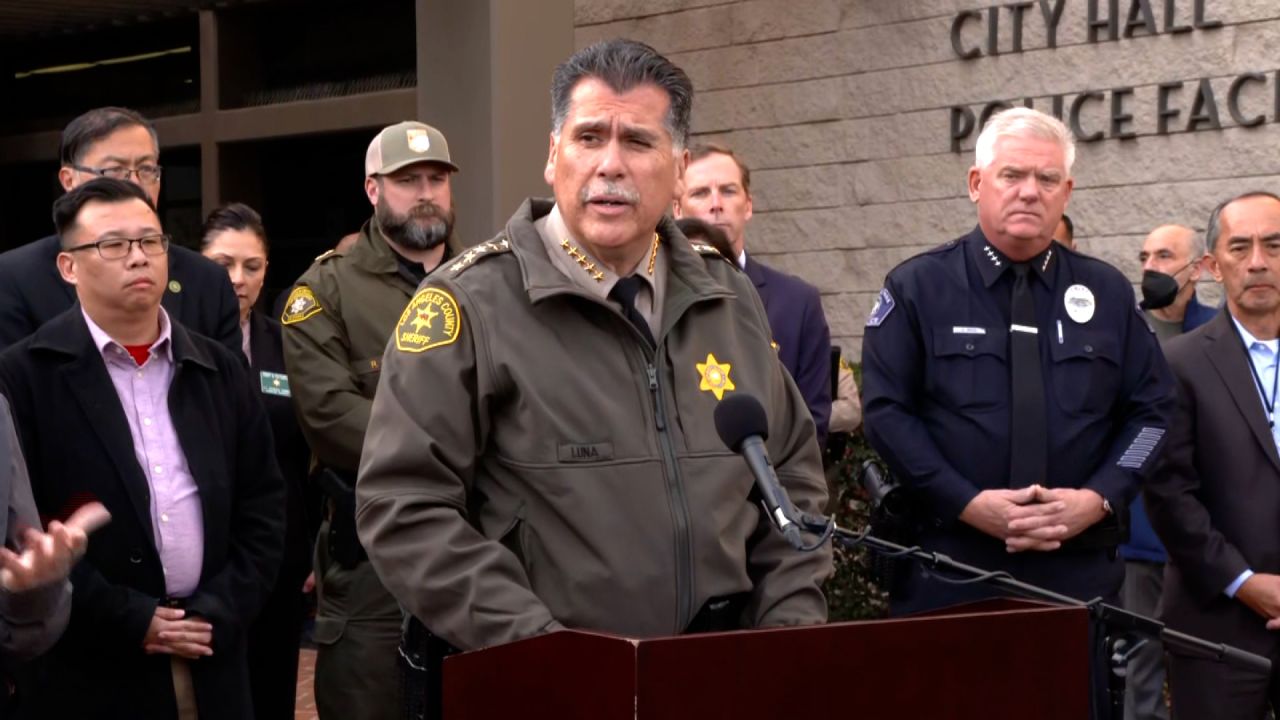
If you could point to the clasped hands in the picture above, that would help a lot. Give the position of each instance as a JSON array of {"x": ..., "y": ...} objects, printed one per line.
[{"x": 1034, "y": 518}]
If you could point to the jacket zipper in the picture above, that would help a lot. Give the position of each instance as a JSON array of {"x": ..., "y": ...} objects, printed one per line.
[{"x": 679, "y": 505}]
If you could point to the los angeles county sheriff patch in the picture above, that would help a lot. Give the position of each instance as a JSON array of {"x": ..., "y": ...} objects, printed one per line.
[
  {"x": 431, "y": 320},
  {"x": 300, "y": 306}
]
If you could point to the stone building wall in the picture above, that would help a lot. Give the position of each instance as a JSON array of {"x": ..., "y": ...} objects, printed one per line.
[{"x": 844, "y": 109}]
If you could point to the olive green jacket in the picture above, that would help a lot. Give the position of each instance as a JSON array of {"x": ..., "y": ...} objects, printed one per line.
[
  {"x": 532, "y": 464},
  {"x": 335, "y": 327}
]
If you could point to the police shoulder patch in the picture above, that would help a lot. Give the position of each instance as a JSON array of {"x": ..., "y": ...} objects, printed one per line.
[
  {"x": 470, "y": 257},
  {"x": 884, "y": 306},
  {"x": 301, "y": 305},
  {"x": 432, "y": 319}
]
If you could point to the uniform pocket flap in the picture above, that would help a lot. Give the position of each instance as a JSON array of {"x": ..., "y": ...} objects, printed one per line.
[
  {"x": 1087, "y": 346},
  {"x": 328, "y": 630},
  {"x": 951, "y": 340}
]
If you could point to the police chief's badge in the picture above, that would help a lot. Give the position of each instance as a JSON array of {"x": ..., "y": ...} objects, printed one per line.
[
  {"x": 714, "y": 377},
  {"x": 884, "y": 306},
  {"x": 431, "y": 320},
  {"x": 1080, "y": 304},
  {"x": 300, "y": 306}
]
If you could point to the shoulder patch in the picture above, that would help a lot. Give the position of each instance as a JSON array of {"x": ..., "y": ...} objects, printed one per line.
[
  {"x": 431, "y": 319},
  {"x": 495, "y": 246},
  {"x": 301, "y": 305},
  {"x": 884, "y": 306}
]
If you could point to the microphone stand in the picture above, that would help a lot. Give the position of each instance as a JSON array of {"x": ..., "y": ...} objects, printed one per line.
[{"x": 1126, "y": 631}]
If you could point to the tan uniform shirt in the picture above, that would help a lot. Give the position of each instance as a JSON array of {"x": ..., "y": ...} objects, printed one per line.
[{"x": 577, "y": 264}]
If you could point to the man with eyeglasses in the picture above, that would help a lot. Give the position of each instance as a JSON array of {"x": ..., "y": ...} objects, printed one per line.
[
  {"x": 116, "y": 402},
  {"x": 116, "y": 143}
]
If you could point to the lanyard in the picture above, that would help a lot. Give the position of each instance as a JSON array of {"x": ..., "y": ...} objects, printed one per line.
[{"x": 1268, "y": 404}]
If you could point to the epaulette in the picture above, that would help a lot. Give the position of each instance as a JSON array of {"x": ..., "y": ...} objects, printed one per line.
[
  {"x": 705, "y": 248},
  {"x": 330, "y": 253},
  {"x": 944, "y": 247},
  {"x": 496, "y": 246}
]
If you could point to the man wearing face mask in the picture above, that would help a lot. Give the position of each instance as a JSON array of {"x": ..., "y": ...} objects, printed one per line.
[
  {"x": 336, "y": 324},
  {"x": 1171, "y": 265},
  {"x": 1171, "y": 257}
]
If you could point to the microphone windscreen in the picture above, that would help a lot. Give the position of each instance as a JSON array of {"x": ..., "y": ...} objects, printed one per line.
[{"x": 738, "y": 417}]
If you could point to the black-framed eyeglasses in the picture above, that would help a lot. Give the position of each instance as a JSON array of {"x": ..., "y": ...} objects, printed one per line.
[
  {"x": 145, "y": 173},
  {"x": 118, "y": 248}
]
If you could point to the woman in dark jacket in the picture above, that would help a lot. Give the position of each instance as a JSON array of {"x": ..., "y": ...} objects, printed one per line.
[{"x": 234, "y": 238}]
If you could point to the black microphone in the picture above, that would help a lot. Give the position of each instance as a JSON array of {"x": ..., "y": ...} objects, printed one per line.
[
  {"x": 885, "y": 494},
  {"x": 743, "y": 427}
]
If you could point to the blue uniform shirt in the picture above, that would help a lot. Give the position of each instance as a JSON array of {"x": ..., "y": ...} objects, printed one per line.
[{"x": 936, "y": 375}]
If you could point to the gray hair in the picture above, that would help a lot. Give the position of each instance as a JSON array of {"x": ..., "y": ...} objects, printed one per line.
[
  {"x": 1214, "y": 229},
  {"x": 1023, "y": 122},
  {"x": 623, "y": 65}
]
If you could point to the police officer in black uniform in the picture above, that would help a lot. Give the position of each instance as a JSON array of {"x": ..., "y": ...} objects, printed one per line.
[{"x": 1013, "y": 386}]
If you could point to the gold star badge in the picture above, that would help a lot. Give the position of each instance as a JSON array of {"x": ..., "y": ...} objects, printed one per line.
[{"x": 714, "y": 376}]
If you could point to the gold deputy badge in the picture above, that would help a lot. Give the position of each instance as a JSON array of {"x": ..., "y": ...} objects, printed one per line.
[
  {"x": 419, "y": 141},
  {"x": 714, "y": 376},
  {"x": 430, "y": 320},
  {"x": 300, "y": 306}
]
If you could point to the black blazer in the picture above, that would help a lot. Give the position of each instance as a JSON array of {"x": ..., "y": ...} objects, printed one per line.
[
  {"x": 32, "y": 293},
  {"x": 78, "y": 447},
  {"x": 292, "y": 454},
  {"x": 800, "y": 329},
  {"x": 1215, "y": 498}
]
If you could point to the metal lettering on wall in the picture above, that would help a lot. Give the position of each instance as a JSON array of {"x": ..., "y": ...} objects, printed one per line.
[{"x": 1186, "y": 105}]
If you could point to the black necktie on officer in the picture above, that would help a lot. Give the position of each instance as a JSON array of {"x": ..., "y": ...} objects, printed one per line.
[
  {"x": 1029, "y": 434},
  {"x": 624, "y": 293}
]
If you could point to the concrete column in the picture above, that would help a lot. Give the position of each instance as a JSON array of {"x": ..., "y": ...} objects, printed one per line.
[{"x": 484, "y": 79}]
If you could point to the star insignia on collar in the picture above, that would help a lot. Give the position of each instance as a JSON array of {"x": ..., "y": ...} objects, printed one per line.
[
  {"x": 991, "y": 255},
  {"x": 714, "y": 377}
]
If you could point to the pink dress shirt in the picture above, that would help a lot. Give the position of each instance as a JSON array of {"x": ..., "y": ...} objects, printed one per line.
[{"x": 175, "y": 499}]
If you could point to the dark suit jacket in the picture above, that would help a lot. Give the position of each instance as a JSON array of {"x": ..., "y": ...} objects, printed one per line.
[
  {"x": 292, "y": 454},
  {"x": 32, "y": 293},
  {"x": 78, "y": 447},
  {"x": 799, "y": 328},
  {"x": 1215, "y": 497}
]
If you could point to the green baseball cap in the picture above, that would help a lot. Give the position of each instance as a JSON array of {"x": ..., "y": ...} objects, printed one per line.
[{"x": 404, "y": 144}]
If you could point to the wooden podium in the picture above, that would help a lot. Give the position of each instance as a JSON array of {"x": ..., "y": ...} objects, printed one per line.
[{"x": 990, "y": 660}]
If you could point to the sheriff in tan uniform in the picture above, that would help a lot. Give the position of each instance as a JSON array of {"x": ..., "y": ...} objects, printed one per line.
[
  {"x": 337, "y": 322},
  {"x": 542, "y": 452}
]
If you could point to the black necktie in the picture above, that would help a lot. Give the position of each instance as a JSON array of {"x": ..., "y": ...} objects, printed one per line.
[
  {"x": 624, "y": 292},
  {"x": 1028, "y": 435}
]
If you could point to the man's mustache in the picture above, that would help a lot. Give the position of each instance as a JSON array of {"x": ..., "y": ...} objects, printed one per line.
[{"x": 609, "y": 192}]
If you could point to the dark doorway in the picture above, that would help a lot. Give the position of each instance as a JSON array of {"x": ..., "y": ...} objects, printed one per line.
[{"x": 309, "y": 191}]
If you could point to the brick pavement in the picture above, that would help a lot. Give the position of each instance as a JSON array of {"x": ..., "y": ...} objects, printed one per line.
[{"x": 306, "y": 707}]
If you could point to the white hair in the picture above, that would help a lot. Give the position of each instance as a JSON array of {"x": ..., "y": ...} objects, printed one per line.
[{"x": 1023, "y": 122}]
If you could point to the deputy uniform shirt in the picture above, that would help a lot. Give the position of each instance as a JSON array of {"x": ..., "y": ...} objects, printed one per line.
[{"x": 936, "y": 374}]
